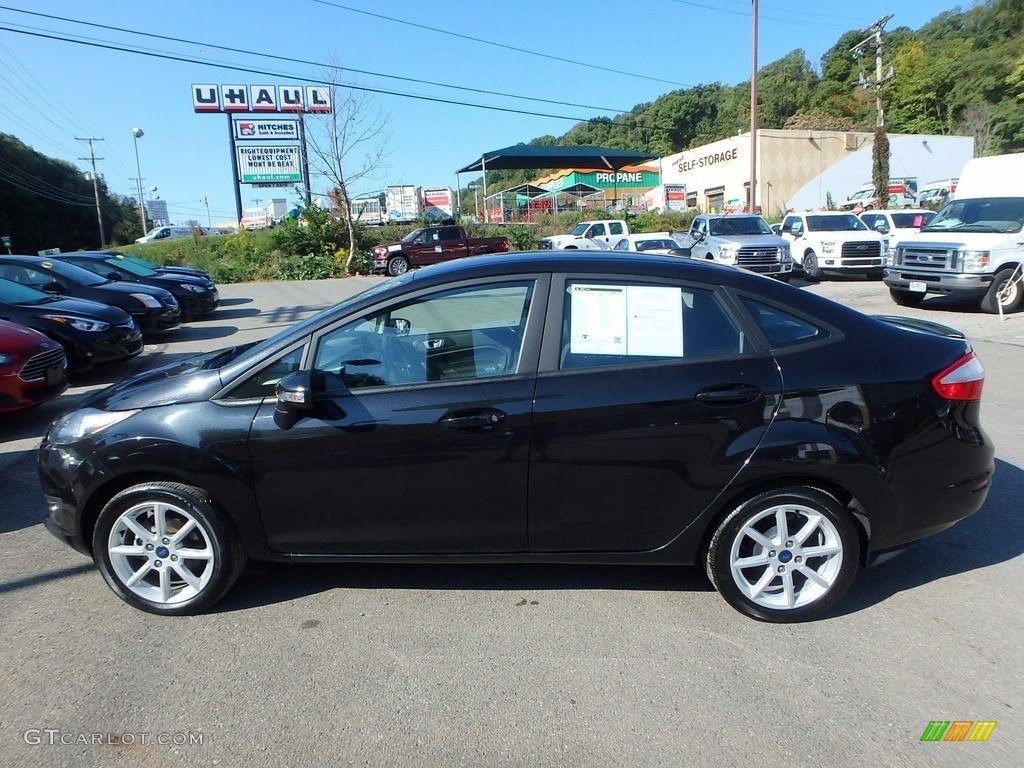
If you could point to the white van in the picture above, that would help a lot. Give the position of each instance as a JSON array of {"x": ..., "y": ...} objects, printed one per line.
[
  {"x": 972, "y": 249},
  {"x": 167, "y": 233}
]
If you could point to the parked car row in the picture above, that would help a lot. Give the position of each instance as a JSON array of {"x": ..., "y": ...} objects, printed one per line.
[{"x": 70, "y": 312}]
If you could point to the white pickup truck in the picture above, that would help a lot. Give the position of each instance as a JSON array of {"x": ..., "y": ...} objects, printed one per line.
[
  {"x": 834, "y": 241},
  {"x": 974, "y": 247},
  {"x": 739, "y": 240},
  {"x": 588, "y": 236}
]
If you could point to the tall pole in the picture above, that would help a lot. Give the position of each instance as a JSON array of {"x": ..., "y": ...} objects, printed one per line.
[
  {"x": 95, "y": 187},
  {"x": 753, "y": 108},
  {"x": 138, "y": 134},
  {"x": 209, "y": 221}
]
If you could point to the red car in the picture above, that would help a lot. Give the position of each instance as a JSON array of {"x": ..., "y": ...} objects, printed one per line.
[{"x": 33, "y": 368}]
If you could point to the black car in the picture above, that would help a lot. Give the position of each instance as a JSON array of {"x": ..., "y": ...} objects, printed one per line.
[
  {"x": 195, "y": 296},
  {"x": 546, "y": 407},
  {"x": 162, "y": 269},
  {"x": 90, "y": 332},
  {"x": 153, "y": 309}
]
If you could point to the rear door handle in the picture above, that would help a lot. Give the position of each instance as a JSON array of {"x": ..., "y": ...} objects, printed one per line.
[
  {"x": 729, "y": 394},
  {"x": 477, "y": 418}
]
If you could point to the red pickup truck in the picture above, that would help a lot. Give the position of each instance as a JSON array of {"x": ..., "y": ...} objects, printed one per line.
[{"x": 429, "y": 245}]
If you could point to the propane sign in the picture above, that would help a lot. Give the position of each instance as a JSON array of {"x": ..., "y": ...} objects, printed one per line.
[
  {"x": 262, "y": 130},
  {"x": 268, "y": 164}
]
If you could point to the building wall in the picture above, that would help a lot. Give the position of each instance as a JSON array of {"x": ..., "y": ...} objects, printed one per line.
[{"x": 800, "y": 169}]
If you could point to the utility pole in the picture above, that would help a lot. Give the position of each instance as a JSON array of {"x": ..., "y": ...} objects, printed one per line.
[
  {"x": 752, "y": 197},
  {"x": 95, "y": 186},
  {"x": 875, "y": 39}
]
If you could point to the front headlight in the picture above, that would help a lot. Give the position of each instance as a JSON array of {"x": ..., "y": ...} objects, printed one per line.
[
  {"x": 5, "y": 359},
  {"x": 975, "y": 261},
  {"x": 191, "y": 288},
  {"x": 80, "y": 323},
  {"x": 72, "y": 427},
  {"x": 147, "y": 300}
]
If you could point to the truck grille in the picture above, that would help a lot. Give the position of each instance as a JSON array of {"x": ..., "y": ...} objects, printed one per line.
[
  {"x": 35, "y": 368},
  {"x": 926, "y": 256},
  {"x": 752, "y": 257},
  {"x": 864, "y": 253},
  {"x": 544, "y": 245}
]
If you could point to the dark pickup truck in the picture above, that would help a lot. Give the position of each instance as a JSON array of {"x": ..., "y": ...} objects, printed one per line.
[{"x": 429, "y": 245}]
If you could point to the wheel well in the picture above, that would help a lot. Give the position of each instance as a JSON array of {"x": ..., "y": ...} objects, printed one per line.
[{"x": 728, "y": 503}]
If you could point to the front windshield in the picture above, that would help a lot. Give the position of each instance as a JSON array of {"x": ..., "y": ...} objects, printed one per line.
[
  {"x": 912, "y": 220},
  {"x": 71, "y": 272},
  {"x": 16, "y": 293},
  {"x": 862, "y": 194},
  {"x": 412, "y": 236},
  {"x": 984, "y": 214},
  {"x": 123, "y": 257},
  {"x": 580, "y": 228},
  {"x": 845, "y": 223},
  {"x": 130, "y": 266},
  {"x": 740, "y": 225}
]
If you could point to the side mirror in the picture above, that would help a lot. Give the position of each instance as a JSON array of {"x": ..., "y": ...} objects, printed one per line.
[
  {"x": 112, "y": 276},
  {"x": 294, "y": 398},
  {"x": 684, "y": 252},
  {"x": 54, "y": 287}
]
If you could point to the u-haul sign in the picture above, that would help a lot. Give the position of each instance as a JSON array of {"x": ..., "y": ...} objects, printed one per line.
[
  {"x": 261, "y": 98},
  {"x": 253, "y": 130},
  {"x": 269, "y": 164}
]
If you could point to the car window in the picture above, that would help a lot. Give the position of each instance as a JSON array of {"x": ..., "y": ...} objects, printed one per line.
[
  {"x": 615, "y": 228},
  {"x": 622, "y": 245},
  {"x": 782, "y": 328},
  {"x": 263, "y": 383},
  {"x": 463, "y": 333},
  {"x": 596, "y": 230},
  {"x": 629, "y": 323}
]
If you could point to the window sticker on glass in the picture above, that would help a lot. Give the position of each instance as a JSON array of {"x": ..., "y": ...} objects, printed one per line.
[{"x": 626, "y": 320}]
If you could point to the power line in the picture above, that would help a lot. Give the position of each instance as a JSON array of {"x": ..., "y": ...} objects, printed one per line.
[{"x": 292, "y": 60}]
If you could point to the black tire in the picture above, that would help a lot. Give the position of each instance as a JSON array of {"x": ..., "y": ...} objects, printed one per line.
[
  {"x": 830, "y": 551},
  {"x": 398, "y": 265},
  {"x": 180, "y": 570},
  {"x": 906, "y": 298},
  {"x": 811, "y": 271},
  {"x": 1006, "y": 290}
]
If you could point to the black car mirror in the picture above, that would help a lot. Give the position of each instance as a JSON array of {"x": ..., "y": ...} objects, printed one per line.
[
  {"x": 294, "y": 398},
  {"x": 53, "y": 287},
  {"x": 680, "y": 252},
  {"x": 112, "y": 276}
]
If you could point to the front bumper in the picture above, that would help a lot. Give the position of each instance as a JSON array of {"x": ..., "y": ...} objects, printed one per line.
[{"x": 945, "y": 283}]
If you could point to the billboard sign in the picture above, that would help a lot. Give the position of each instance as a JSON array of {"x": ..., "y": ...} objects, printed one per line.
[
  {"x": 269, "y": 164},
  {"x": 261, "y": 98},
  {"x": 262, "y": 130},
  {"x": 675, "y": 197}
]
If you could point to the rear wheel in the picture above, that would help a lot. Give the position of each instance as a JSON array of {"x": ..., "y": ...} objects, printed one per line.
[
  {"x": 166, "y": 548},
  {"x": 906, "y": 298},
  {"x": 1005, "y": 292},
  {"x": 785, "y": 555},
  {"x": 398, "y": 265},
  {"x": 811, "y": 270}
]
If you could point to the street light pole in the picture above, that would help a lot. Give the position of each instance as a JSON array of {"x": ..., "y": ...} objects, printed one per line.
[
  {"x": 138, "y": 134},
  {"x": 209, "y": 222}
]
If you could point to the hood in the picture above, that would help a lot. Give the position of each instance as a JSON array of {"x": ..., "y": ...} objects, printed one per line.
[
  {"x": 770, "y": 241},
  {"x": 182, "y": 381},
  {"x": 952, "y": 237},
  {"x": 83, "y": 308},
  {"x": 126, "y": 289}
]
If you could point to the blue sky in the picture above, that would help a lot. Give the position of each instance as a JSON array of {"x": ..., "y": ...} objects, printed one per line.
[{"x": 583, "y": 59}]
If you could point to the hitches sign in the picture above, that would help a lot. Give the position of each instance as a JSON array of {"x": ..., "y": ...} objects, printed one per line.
[
  {"x": 261, "y": 130},
  {"x": 263, "y": 164},
  {"x": 261, "y": 98}
]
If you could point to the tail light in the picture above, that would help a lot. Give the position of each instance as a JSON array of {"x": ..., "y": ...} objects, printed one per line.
[{"x": 963, "y": 380}]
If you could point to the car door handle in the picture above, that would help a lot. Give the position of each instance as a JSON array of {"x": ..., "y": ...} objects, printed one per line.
[
  {"x": 729, "y": 394},
  {"x": 473, "y": 419}
]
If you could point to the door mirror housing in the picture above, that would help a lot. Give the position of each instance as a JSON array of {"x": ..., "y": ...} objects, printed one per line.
[{"x": 294, "y": 398}]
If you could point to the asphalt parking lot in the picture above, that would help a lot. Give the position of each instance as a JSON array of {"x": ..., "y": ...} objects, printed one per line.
[{"x": 513, "y": 665}]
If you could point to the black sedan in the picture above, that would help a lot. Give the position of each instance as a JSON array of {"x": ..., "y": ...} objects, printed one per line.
[
  {"x": 163, "y": 269},
  {"x": 538, "y": 407},
  {"x": 153, "y": 309},
  {"x": 91, "y": 333},
  {"x": 195, "y": 295}
]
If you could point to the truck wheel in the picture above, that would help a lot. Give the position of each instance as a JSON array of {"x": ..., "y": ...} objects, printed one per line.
[
  {"x": 906, "y": 298},
  {"x": 398, "y": 265},
  {"x": 1006, "y": 292},
  {"x": 811, "y": 271}
]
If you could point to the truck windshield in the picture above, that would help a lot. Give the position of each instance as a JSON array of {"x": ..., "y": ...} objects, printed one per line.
[
  {"x": 412, "y": 236},
  {"x": 580, "y": 228},
  {"x": 741, "y": 225},
  {"x": 984, "y": 214},
  {"x": 847, "y": 223}
]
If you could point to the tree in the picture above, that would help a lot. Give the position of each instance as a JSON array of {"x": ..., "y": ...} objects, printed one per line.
[
  {"x": 880, "y": 166},
  {"x": 351, "y": 147}
]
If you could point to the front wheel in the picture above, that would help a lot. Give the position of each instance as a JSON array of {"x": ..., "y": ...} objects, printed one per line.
[
  {"x": 811, "y": 270},
  {"x": 1005, "y": 292},
  {"x": 398, "y": 265},
  {"x": 785, "y": 555},
  {"x": 165, "y": 548},
  {"x": 906, "y": 298}
]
